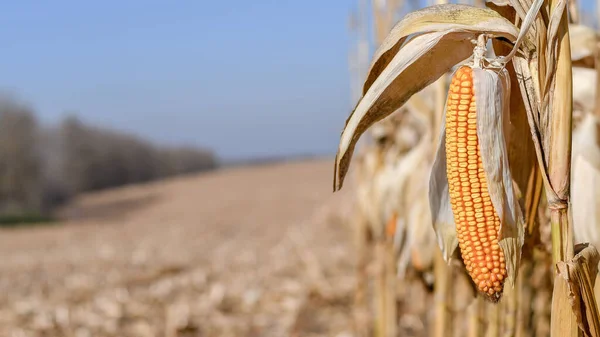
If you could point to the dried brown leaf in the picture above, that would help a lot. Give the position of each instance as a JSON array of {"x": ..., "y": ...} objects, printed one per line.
[
  {"x": 423, "y": 60},
  {"x": 580, "y": 275},
  {"x": 438, "y": 18}
]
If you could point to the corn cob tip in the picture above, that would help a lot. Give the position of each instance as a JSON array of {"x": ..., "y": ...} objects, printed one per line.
[{"x": 494, "y": 298}]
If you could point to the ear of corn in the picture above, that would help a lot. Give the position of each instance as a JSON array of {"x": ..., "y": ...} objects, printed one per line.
[
  {"x": 477, "y": 223},
  {"x": 472, "y": 169}
]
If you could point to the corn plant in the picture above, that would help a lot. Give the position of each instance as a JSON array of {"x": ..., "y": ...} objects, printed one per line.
[{"x": 508, "y": 118}]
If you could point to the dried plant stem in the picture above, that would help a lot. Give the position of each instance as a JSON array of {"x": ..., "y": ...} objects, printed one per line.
[
  {"x": 380, "y": 286},
  {"x": 385, "y": 290},
  {"x": 442, "y": 296},
  {"x": 361, "y": 308},
  {"x": 494, "y": 324},
  {"x": 597, "y": 289},
  {"x": 510, "y": 303},
  {"x": 476, "y": 325},
  {"x": 562, "y": 236},
  {"x": 390, "y": 290},
  {"x": 563, "y": 320},
  {"x": 523, "y": 293},
  {"x": 533, "y": 199}
]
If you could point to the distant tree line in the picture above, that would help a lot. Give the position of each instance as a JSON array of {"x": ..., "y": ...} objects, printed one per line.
[{"x": 41, "y": 167}]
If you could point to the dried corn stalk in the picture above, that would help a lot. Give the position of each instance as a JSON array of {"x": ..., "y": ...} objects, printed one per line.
[
  {"x": 440, "y": 38},
  {"x": 579, "y": 275}
]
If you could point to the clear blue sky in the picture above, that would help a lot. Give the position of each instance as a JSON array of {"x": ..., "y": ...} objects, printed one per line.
[{"x": 245, "y": 78}]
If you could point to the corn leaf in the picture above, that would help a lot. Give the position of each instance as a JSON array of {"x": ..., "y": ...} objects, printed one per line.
[
  {"x": 527, "y": 23},
  {"x": 580, "y": 276},
  {"x": 422, "y": 60},
  {"x": 438, "y": 18}
]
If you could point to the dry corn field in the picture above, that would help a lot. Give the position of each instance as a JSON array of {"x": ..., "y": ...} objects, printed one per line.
[
  {"x": 256, "y": 251},
  {"x": 478, "y": 175},
  {"x": 471, "y": 209}
]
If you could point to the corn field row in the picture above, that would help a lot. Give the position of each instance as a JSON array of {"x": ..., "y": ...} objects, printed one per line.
[{"x": 478, "y": 180}]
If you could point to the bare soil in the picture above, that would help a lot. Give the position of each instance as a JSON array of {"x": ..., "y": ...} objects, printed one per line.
[{"x": 249, "y": 251}]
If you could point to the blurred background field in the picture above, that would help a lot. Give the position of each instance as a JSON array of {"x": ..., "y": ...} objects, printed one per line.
[
  {"x": 165, "y": 169},
  {"x": 230, "y": 253}
]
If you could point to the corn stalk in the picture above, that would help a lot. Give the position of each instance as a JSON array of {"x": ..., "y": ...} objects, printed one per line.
[
  {"x": 541, "y": 57},
  {"x": 443, "y": 291},
  {"x": 385, "y": 279},
  {"x": 475, "y": 318},
  {"x": 559, "y": 110}
]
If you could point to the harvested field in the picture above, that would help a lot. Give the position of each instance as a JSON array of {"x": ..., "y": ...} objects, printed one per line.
[{"x": 249, "y": 251}]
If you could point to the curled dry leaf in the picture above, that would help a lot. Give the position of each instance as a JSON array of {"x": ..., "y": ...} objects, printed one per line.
[
  {"x": 580, "y": 276},
  {"x": 403, "y": 66},
  {"x": 434, "y": 19}
]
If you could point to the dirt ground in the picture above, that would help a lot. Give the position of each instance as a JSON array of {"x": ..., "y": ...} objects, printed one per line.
[{"x": 250, "y": 251}]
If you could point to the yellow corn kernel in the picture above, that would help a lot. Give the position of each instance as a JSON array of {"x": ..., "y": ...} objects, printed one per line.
[{"x": 469, "y": 193}]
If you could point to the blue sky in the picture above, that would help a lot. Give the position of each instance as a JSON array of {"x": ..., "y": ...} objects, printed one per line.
[{"x": 246, "y": 78}]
